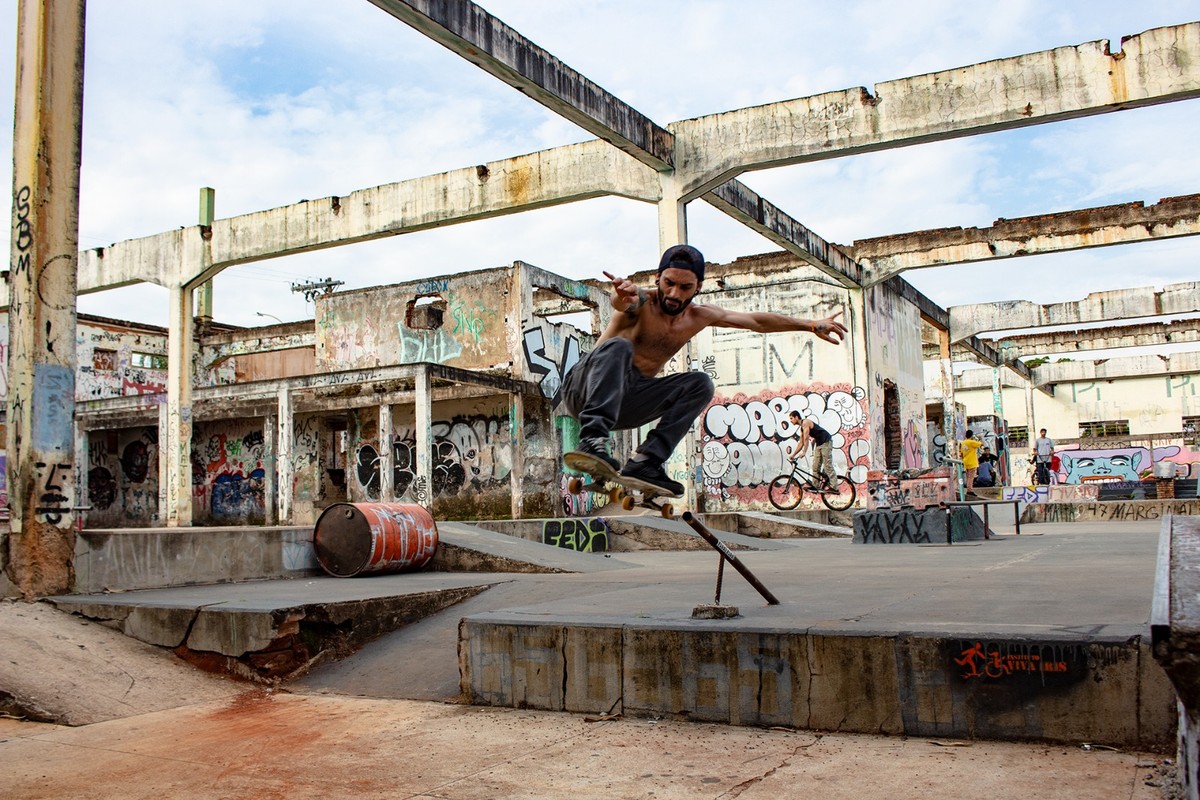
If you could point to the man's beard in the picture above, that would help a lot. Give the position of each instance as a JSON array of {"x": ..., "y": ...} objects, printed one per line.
[{"x": 674, "y": 312}]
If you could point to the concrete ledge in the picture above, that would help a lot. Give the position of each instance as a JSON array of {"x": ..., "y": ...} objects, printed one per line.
[
  {"x": 1104, "y": 690},
  {"x": 149, "y": 558},
  {"x": 465, "y": 547},
  {"x": 932, "y": 525},
  {"x": 1175, "y": 630},
  {"x": 621, "y": 533},
  {"x": 1101, "y": 510},
  {"x": 274, "y": 628}
]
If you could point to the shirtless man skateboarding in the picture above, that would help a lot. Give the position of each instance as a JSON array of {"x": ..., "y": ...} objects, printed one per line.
[{"x": 614, "y": 387}]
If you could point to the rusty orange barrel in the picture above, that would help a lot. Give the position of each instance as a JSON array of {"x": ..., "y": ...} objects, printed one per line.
[{"x": 369, "y": 538}]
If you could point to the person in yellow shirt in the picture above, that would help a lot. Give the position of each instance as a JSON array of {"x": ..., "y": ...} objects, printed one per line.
[{"x": 969, "y": 447}]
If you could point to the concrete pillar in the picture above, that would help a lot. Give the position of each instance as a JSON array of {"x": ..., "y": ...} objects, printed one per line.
[
  {"x": 161, "y": 516},
  {"x": 672, "y": 213},
  {"x": 672, "y": 230},
  {"x": 40, "y": 438},
  {"x": 1030, "y": 420},
  {"x": 858, "y": 339},
  {"x": 516, "y": 478},
  {"x": 177, "y": 436},
  {"x": 204, "y": 296},
  {"x": 387, "y": 456},
  {"x": 946, "y": 384},
  {"x": 270, "y": 480},
  {"x": 82, "y": 459},
  {"x": 283, "y": 460},
  {"x": 423, "y": 419},
  {"x": 998, "y": 410}
]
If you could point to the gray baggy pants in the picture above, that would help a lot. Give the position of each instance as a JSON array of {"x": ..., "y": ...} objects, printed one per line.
[{"x": 605, "y": 392}]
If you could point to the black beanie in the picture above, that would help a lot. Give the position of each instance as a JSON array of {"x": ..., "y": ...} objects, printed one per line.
[{"x": 683, "y": 256}]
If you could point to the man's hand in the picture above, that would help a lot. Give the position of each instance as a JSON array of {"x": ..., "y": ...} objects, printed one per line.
[
  {"x": 624, "y": 291},
  {"x": 830, "y": 329}
]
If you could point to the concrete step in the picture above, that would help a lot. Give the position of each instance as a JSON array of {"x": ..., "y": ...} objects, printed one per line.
[{"x": 272, "y": 629}]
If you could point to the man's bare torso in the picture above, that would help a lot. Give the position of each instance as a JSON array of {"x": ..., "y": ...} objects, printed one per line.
[{"x": 656, "y": 335}]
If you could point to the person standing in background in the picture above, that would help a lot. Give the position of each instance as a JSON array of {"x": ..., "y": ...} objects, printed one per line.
[
  {"x": 969, "y": 448},
  {"x": 1043, "y": 454}
]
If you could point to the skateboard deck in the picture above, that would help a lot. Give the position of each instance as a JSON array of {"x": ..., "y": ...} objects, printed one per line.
[{"x": 618, "y": 487}]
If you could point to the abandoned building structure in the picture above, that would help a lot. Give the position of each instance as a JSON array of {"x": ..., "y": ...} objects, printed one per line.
[{"x": 442, "y": 391}]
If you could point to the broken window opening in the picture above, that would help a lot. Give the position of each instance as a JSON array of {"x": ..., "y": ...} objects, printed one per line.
[
  {"x": 425, "y": 312},
  {"x": 558, "y": 308}
]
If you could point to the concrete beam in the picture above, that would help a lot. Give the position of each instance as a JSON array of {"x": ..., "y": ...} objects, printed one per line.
[
  {"x": 1081, "y": 340},
  {"x": 1175, "y": 298},
  {"x": 1158, "y": 66},
  {"x": 1113, "y": 368},
  {"x": 468, "y": 30},
  {"x": 536, "y": 180},
  {"x": 982, "y": 379},
  {"x": 748, "y": 207},
  {"x": 1170, "y": 217}
]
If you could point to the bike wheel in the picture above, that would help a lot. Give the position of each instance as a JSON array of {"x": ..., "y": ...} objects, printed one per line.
[
  {"x": 785, "y": 492},
  {"x": 842, "y": 496}
]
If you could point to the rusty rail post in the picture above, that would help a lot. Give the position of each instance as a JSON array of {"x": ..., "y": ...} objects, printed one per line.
[{"x": 720, "y": 547}]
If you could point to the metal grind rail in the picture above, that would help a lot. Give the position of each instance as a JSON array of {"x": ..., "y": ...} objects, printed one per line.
[{"x": 727, "y": 555}]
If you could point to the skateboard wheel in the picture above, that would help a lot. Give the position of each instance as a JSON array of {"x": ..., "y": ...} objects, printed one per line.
[
  {"x": 615, "y": 494},
  {"x": 574, "y": 485},
  {"x": 667, "y": 510},
  {"x": 627, "y": 502}
]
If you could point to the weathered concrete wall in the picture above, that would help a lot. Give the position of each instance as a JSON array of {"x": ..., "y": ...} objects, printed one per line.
[
  {"x": 122, "y": 478},
  {"x": 472, "y": 458},
  {"x": 1176, "y": 636},
  {"x": 745, "y": 433},
  {"x": 114, "y": 360},
  {"x": 456, "y": 320},
  {"x": 107, "y": 560},
  {"x": 1175, "y": 298},
  {"x": 229, "y": 466},
  {"x": 894, "y": 358},
  {"x": 1108, "y": 510},
  {"x": 1107, "y": 691}
]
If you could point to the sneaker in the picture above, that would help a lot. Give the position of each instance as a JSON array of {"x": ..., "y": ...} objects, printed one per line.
[
  {"x": 650, "y": 472},
  {"x": 597, "y": 447}
]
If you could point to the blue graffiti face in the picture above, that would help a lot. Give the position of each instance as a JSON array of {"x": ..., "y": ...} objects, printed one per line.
[{"x": 1084, "y": 469}]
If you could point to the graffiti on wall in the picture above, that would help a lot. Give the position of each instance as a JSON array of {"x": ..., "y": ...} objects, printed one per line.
[
  {"x": 1083, "y": 465},
  {"x": 581, "y": 535},
  {"x": 470, "y": 452},
  {"x": 1002, "y": 661},
  {"x": 228, "y": 474},
  {"x": 533, "y": 341},
  {"x": 891, "y": 491},
  {"x": 899, "y": 527},
  {"x": 746, "y": 441}
]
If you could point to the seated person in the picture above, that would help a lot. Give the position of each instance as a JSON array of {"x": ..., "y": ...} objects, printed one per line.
[{"x": 986, "y": 475}]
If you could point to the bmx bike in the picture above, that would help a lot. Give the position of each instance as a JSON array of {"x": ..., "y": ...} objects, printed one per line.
[{"x": 788, "y": 489}]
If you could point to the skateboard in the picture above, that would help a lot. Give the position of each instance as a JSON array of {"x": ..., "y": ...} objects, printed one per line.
[{"x": 629, "y": 492}]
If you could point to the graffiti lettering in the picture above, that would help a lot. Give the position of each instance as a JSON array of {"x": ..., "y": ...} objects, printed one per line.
[
  {"x": 24, "y": 231},
  {"x": 900, "y": 527},
  {"x": 580, "y": 535},
  {"x": 534, "y": 343},
  {"x": 1002, "y": 660},
  {"x": 417, "y": 346}
]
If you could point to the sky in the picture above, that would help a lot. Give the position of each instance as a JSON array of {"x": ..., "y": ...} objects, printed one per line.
[{"x": 274, "y": 101}]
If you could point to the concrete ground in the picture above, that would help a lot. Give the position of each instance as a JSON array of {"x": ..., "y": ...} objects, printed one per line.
[
  {"x": 263, "y": 744},
  {"x": 150, "y": 726}
]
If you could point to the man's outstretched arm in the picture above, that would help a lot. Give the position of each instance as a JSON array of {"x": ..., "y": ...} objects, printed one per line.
[{"x": 827, "y": 328}]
